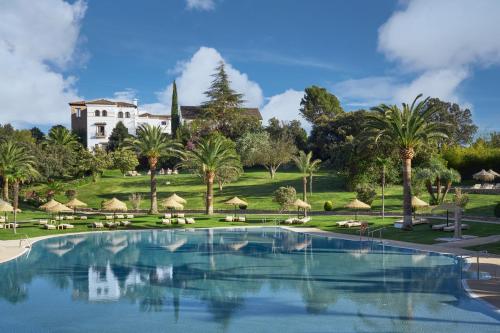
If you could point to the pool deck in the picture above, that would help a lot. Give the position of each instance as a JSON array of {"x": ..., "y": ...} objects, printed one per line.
[{"x": 485, "y": 290}]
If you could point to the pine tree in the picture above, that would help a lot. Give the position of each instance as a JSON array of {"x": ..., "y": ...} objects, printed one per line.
[
  {"x": 117, "y": 137},
  {"x": 174, "y": 112},
  {"x": 221, "y": 98}
]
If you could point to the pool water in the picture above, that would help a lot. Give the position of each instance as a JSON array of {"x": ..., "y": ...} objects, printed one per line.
[{"x": 234, "y": 280}]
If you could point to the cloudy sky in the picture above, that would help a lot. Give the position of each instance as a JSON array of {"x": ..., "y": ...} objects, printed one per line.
[{"x": 365, "y": 52}]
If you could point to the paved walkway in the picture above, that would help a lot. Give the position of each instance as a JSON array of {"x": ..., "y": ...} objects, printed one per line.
[{"x": 472, "y": 241}]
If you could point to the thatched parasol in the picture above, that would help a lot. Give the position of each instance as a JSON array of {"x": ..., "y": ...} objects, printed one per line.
[
  {"x": 178, "y": 199},
  {"x": 483, "y": 176},
  {"x": 171, "y": 203},
  {"x": 75, "y": 203},
  {"x": 357, "y": 205},
  {"x": 114, "y": 205},
  {"x": 6, "y": 208},
  {"x": 417, "y": 203},
  {"x": 49, "y": 203},
  {"x": 236, "y": 202},
  {"x": 301, "y": 205},
  {"x": 58, "y": 208}
]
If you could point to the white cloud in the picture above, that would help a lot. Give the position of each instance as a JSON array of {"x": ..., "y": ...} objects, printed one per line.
[
  {"x": 126, "y": 95},
  {"x": 285, "y": 106},
  {"x": 195, "y": 77},
  {"x": 200, "y": 4},
  {"x": 438, "y": 43},
  {"x": 37, "y": 41}
]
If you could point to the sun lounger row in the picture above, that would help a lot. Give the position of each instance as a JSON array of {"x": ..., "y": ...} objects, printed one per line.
[
  {"x": 449, "y": 227},
  {"x": 349, "y": 224},
  {"x": 59, "y": 226},
  {"x": 188, "y": 220},
  {"x": 235, "y": 219},
  {"x": 119, "y": 216},
  {"x": 295, "y": 220},
  {"x": 171, "y": 215},
  {"x": 485, "y": 186},
  {"x": 133, "y": 173},
  {"x": 109, "y": 224},
  {"x": 9, "y": 225},
  {"x": 416, "y": 221}
]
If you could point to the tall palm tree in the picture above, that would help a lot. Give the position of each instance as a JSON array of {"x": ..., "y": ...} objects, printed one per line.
[
  {"x": 408, "y": 128},
  {"x": 8, "y": 153},
  {"x": 20, "y": 169},
  {"x": 307, "y": 167},
  {"x": 209, "y": 155},
  {"x": 152, "y": 143},
  {"x": 61, "y": 136}
]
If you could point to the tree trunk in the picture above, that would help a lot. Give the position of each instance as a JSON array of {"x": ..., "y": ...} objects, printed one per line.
[
  {"x": 221, "y": 185},
  {"x": 154, "y": 197},
  {"x": 458, "y": 222},
  {"x": 304, "y": 183},
  {"x": 438, "y": 189},
  {"x": 16, "y": 202},
  {"x": 446, "y": 191},
  {"x": 383, "y": 192},
  {"x": 407, "y": 217},
  {"x": 428, "y": 184},
  {"x": 210, "y": 194},
  {"x": 310, "y": 184},
  {"x": 272, "y": 172},
  {"x": 5, "y": 191}
]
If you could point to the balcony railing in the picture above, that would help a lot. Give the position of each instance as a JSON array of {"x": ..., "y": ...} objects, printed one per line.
[{"x": 100, "y": 135}]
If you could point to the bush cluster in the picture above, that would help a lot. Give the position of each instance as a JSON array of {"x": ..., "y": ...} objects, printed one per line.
[
  {"x": 469, "y": 160},
  {"x": 328, "y": 206}
]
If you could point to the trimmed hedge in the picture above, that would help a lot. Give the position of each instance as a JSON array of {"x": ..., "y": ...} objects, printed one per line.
[{"x": 469, "y": 160}]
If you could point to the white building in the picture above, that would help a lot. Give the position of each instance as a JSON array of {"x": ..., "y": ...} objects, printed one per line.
[{"x": 95, "y": 120}]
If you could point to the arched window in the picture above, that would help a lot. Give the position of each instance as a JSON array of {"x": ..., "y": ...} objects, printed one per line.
[
  {"x": 104, "y": 113},
  {"x": 120, "y": 114},
  {"x": 97, "y": 113},
  {"x": 127, "y": 114}
]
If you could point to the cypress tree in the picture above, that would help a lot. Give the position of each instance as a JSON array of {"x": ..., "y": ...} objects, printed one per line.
[{"x": 174, "y": 112}]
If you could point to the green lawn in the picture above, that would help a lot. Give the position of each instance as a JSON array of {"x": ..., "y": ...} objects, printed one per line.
[
  {"x": 255, "y": 187},
  {"x": 420, "y": 234},
  {"x": 491, "y": 248}
]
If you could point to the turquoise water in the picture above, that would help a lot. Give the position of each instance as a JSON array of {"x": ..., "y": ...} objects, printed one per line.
[{"x": 233, "y": 280}]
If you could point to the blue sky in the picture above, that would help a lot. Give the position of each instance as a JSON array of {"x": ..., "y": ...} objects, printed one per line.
[{"x": 365, "y": 52}]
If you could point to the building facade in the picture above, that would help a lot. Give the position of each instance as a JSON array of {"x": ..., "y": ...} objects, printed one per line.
[{"x": 95, "y": 120}]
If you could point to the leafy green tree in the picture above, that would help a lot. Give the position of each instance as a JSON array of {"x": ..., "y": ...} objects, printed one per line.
[
  {"x": 152, "y": 143},
  {"x": 494, "y": 140},
  {"x": 461, "y": 128},
  {"x": 285, "y": 197},
  {"x": 95, "y": 162},
  {"x": 210, "y": 155},
  {"x": 319, "y": 105},
  {"x": 52, "y": 188},
  {"x": 406, "y": 128},
  {"x": 37, "y": 135},
  {"x": 174, "y": 112},
  {"x": 307, "y": 166},
  {"x": 227, "y": 175},
  {"x": 55, "y": 161},
  {"x": 61, "y": 136},
  {"x": 124, "y": 160},
  {"x": 259, "y": 149},
  {"x": 366, "y": 193},
  {"x": 292, "y": 129},
  {"x": 117, "y": 137},
  {"x": 221, "y": 98}
]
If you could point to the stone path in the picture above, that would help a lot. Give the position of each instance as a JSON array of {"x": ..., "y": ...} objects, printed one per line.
[{"x": 472, "y": 241}]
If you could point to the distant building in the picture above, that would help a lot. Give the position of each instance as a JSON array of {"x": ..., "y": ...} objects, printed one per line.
[{"x": 95, "y": 120}]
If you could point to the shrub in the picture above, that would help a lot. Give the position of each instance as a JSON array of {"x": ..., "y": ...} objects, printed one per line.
[
  {"x": 135, "y": 199},
  {"x": 497, "y": 210},
  {"x": 285, "y": 196},
  {"x": 328, "y": 206},
  {"x": 366, "y": 193}
]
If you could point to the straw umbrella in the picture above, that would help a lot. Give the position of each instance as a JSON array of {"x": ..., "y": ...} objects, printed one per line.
[
  {"x": 114, "y": 205},
  {"x": 417, "y": 203},
  {"x": 496, "y": 174},
  {"x": 6, "y": 208},
  {"x": 235, "y": 202},
  {"x": 301, "y": 205},
  {"x": 171, "y": 203},
  {"x": 483, "y": 176},
  {"x": 49, "y": 203},
  {"x": 58, "y": 209},
  {"x": 357, "y": 205},
  {"x": 178, "y": 199},
  {"x": 75, "y": 203}
]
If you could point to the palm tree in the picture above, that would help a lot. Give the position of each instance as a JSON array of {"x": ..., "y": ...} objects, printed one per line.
[
  {"x": 20, "y": 169},
  {"x": 152, "y": 143},
  {"x": 209, "y": 155},
  {"x": 8, "y": 154},
  {"x": 408, "y": 128},
  {"x": 307, "y": 167},
  {"x": 61, "y": 136},
  {"x": 383, "y": 163}
]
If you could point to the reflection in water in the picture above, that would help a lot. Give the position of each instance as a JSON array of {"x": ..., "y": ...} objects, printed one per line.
[{"x": 244, "y": 280}]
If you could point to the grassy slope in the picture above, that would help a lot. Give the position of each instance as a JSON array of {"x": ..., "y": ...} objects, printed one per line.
[{"x": 255, "y": 187}]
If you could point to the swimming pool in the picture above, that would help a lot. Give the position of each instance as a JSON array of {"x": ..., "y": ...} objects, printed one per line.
[{"x": 234, "y": 280}]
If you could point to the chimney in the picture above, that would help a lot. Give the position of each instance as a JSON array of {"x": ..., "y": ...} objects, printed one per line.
[{"x": 135, "y": 101}]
